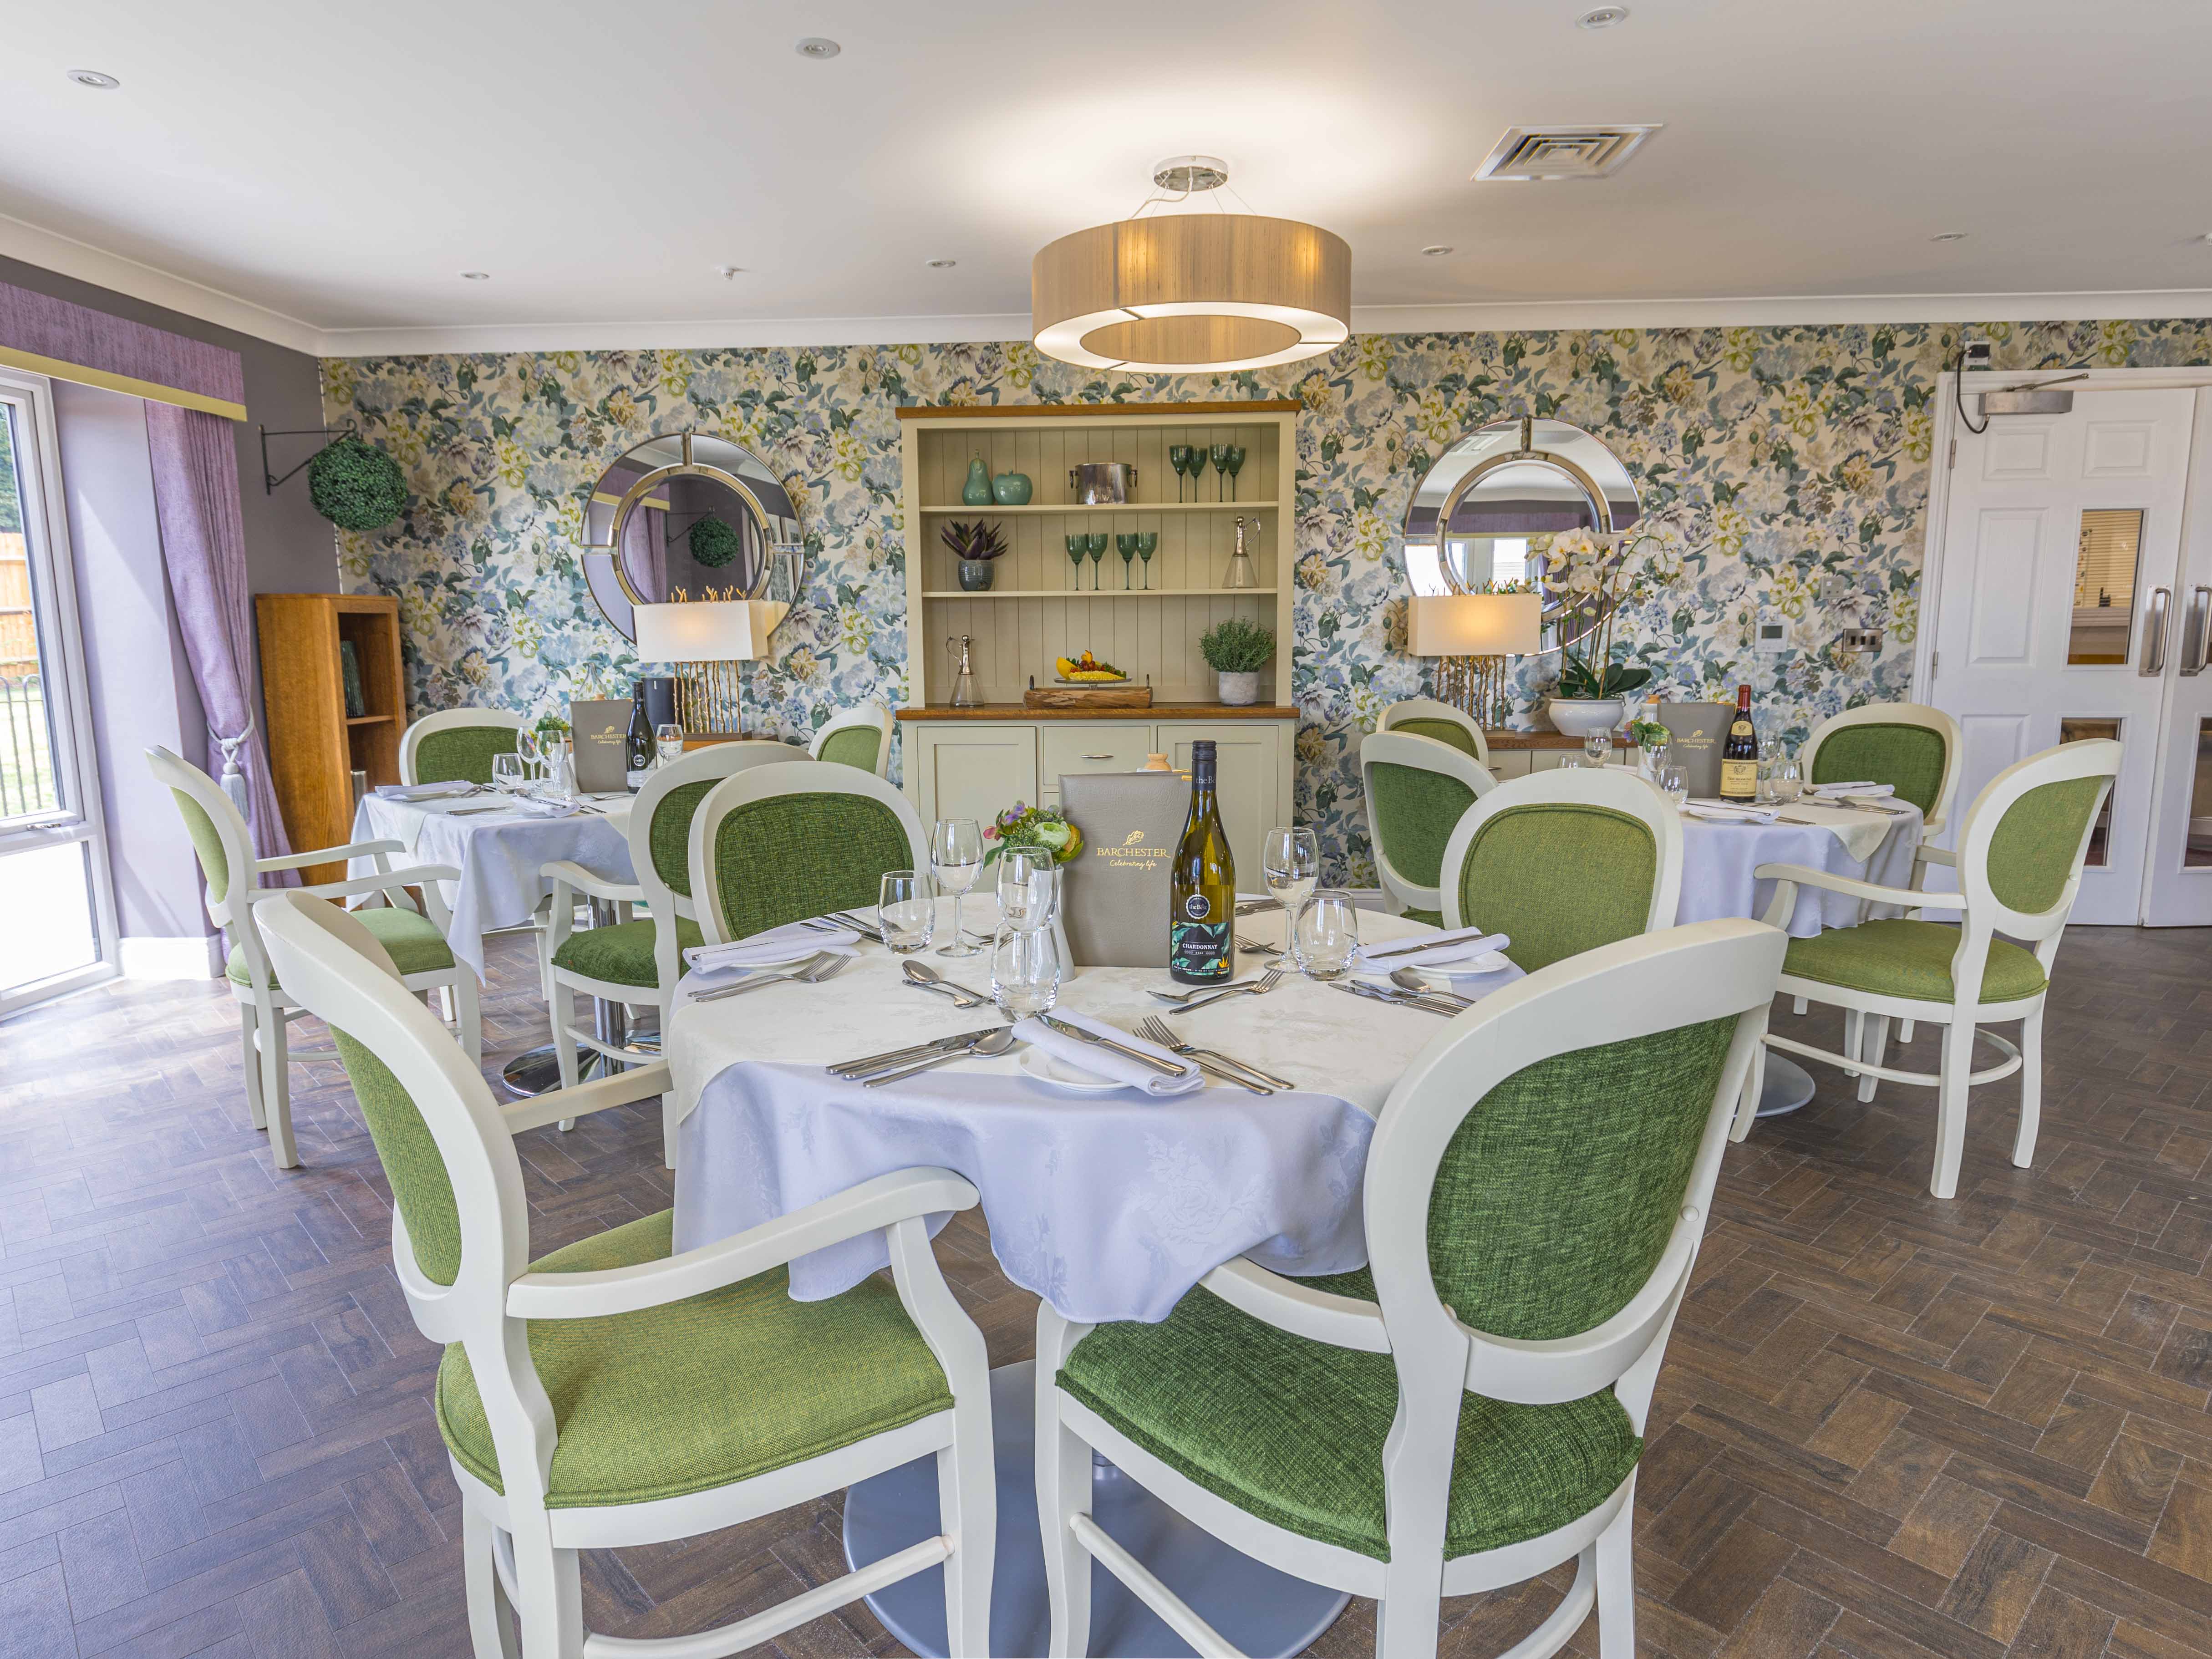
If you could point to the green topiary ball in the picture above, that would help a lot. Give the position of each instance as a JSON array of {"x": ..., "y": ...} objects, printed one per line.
[
  {"x": 355, "y": 485},
  {"x": 713, "y": 543}
]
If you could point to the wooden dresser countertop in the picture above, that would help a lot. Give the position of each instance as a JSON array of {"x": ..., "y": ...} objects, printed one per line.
[
  {"x": 1158, "y": 711},
  {"x": 1515, "y": 740}
]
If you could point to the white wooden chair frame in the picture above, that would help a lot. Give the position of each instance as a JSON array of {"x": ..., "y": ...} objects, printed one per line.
[
  {"x": 662, "y": 903},
  {"x": 1410, "y": 748},
  {"x": 788, "y": 778},
  {"x": 1981, "y": 915},
  {"x": 1617, "y": 788},
  {"x": 1653, "y": 982},
  {"x": 446, "y": 721},
  {"x": 1428, "y": 709},
  {"x": 266, "y": 1006},
  {"x": 521, "y": 1557},
  {"x": 868, "y": 713}
]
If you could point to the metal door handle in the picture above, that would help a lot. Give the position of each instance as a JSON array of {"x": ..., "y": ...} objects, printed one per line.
[
  {"x": 2201, "y": 597},
  {"x": 1098, "y": 758},
  {"x": 2153, "y": 663}
]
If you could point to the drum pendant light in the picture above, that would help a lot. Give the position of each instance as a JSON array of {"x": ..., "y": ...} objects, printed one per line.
[{"x": 1191, "y": 292}]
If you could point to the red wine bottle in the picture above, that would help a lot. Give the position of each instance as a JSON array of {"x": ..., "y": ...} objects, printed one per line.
[{"x": 1740, "y": 754}]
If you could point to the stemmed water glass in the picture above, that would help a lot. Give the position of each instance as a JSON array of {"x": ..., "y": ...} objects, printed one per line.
[
  {"x": 1025, "y": 887},
  {"x": 1097, "y": 541},
  {"x": 1220, "y": 452},
  {"x": 1233, "y": 465},
  {"x": 1148, "y": 543},
  {"x": 956, "y": 855},
  {"x": 532, "y": 752},
  {"x": 1077, "y": 544},
  {"x": 1290, "y": 864},
  {"x": 1179, "y": 457},
  {"x": 1126, "y": 545},
  {"x": 668, "y": 743},
  {"x": 1676, "y": 784}
]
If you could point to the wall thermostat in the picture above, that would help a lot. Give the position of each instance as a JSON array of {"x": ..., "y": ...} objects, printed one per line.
[{"x": 1769, "y": 635}]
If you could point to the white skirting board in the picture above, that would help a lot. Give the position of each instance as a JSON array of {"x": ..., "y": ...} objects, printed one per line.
[{"x": 149, "y": 956}]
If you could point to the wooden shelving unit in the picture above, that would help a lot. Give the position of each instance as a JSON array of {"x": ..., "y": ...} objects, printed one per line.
[{"x": 314, "y": 746}]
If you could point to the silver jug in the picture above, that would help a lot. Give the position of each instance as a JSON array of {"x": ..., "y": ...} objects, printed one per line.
[
  {"x": 1102, "y": 484},
  {"x": 964, "y": 692}
]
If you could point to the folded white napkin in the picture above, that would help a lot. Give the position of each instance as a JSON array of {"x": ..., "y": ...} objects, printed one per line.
[
  {"x": 1101, "y": 1062},
  {"x": 538, "y": 807},
  {"x": 1831, "y": 791},
  {"x": 1729, "y": 811},
  {"x": 778, "y": 944},
  {"x": 1463, "y": 944},
  {"x": 424, "y": 791}
]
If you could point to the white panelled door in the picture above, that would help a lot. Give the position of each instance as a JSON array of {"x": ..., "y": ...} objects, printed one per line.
[
  {"x": 2177, "y": 892},
  {"x": 2057, "y": 616}
]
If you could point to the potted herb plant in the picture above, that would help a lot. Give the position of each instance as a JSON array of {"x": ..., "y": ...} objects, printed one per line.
[
  {"x": 1237, "y": 648},
  {"x": 974, "y": 545},
  {"x": 1592, "y": 696}
]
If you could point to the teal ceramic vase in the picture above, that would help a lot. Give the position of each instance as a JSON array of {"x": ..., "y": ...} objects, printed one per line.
[
  {"x": 976, "y": 575},
  {"x": 977, "y": 492},
  {"x": 1011, "y": 488}
]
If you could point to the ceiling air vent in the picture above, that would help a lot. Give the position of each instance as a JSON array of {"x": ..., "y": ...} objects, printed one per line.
[{"x": 1574, "y": 152}]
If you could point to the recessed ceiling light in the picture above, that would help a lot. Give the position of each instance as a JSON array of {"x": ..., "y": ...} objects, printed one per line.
[
  {"x": 815, "y": 47},
  {"x": 942, "y": 265},
  {"x": 1948, "y": 236},
  {"x": 476, "y": 276},
  {"x": 728, "y": 272},
  {"x": 1435, "y": 251},
  {"x": 1603, "y": 18},
  {"x": 95, "y": 79}
]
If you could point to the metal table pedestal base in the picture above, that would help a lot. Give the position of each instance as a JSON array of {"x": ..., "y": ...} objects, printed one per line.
[
  {"x": 1787, "y": 1087},
  {"x": 1260, "y": 1611}
]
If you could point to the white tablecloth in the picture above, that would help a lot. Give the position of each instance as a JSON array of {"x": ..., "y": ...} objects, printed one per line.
[
  {"x": 1718, "y": 859},
  {"x": 499, "y": 855},
  {"x": 1111, "y": 1207}
]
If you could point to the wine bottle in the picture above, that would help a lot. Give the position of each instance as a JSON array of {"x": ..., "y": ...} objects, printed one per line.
[
  {"x": 637, "y": 742},
  {"x": 1740, "y": 754},
  {"x": 1202, "y": 885}
]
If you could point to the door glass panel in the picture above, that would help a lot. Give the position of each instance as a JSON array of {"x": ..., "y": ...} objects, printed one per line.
[
  {"x": 2197, "y": 845},
  {"x": 2100, "y": 838},
  {"x": 27, "y": 750},
  {"x": 2105, "y": 584},
  {"x": 46, "y": 897}
]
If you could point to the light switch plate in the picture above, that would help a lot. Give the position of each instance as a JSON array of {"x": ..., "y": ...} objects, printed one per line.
[
  {"x": 1771, "y": 635},
  {"x": 1865, "y": 641}
]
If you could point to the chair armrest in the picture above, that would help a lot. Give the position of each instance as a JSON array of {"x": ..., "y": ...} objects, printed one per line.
[
  {"x": 559, "y": 1105},
  {"x": 414, "y": 875},
  {"x": 903, "y": 1196},
  {"x": 1342, "y": 1321},
  {"x": 1905, "y": 897},
  {"x": 358, "y": 849},
  {"x": 575, "y": 875},
  {"x": 1927, "y": 854}
]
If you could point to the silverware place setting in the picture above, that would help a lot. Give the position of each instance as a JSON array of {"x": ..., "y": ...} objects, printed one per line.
[
  {"x": 1152, "y": 1029},
  {"x": 1409, "y": 979},
  {"x": 1399, "y": 999},
  {"x": 893, "y": 1059},
  {"x": 1259, "y": 988},
  {"x": 1098, "y": 1040},
  {"x": 923, "y": 974},
  {"x": 996, "y": 1041},
  {"x": 824, "y": 965}
]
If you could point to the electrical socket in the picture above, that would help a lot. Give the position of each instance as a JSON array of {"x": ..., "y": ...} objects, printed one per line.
[
  {"x": 1975, "y": 353},
  {"x": 1835, "y": 589}
]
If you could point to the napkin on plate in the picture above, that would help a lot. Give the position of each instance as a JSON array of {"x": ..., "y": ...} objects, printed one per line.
[
  {"x": 1727, "y": 811},
  {"x": 1834, "y": 791},
  {"x": 1101, "y": 1062},
  {"x": 424, "y": 791},
  {"x": 778, "y": 944},
  {"x": 1465, "y": 949}
]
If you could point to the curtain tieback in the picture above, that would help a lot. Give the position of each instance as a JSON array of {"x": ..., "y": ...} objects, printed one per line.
[{"x": 233, "y": 780}]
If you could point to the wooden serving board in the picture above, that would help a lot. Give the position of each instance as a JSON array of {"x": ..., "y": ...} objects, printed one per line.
[{"x": 1120, "y": 695}]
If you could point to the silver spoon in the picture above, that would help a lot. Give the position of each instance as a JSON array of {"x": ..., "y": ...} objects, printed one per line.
[
  {"x": 996, "y": 1041},
  {"x": 1406, "y": 980},
  {"x": 922, "y": 973}
]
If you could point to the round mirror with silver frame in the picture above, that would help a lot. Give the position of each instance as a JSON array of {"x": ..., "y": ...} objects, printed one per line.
[
  {"x": 1498, "y": 496},
  {"x": 641, "y": 527}
]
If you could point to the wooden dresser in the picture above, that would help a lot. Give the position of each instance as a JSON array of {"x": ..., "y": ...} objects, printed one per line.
[{"x": 315, "y": 745}]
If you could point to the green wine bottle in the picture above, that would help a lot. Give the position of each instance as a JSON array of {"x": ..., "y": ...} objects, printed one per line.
[{"x": 1202, "y": 887}]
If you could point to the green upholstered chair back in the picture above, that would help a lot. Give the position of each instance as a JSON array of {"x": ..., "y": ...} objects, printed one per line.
[
  {"x": 1425, "y": 717},
  {"x": 1560, "y": 878},
  {"x": 1417, "y": 789},
  {"x": 1910, "y": 746},
  {"x": 221, "y": 838},
  {"x": 2038, "y": 842},
  {"x": 421, "y": 1187},
  {"x": 670, "y": 832},
  {"x": 854, "y": 745},
  {"x": 462, "y": 752},
  {"x": 1450, "y": 731},
  {"x": 207, "y": 844},
  {"x": 2026, "y": 835},
  {"x": 776, "y": 844}
]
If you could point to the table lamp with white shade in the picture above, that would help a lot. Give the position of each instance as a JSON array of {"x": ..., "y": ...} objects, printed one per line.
[
  {"x": 702, "y": 639},
  {"x": 1474, "y": 633}
]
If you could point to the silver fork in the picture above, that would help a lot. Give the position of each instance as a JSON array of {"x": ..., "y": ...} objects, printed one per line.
[
  {"x": 1197, "y": 991},
  {"x": 1267, "y": 982},
  {"x": 1152, "y": 1029},
  {"x": 819, "y": 969}
]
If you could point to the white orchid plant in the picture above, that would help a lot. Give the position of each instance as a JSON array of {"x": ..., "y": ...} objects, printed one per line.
[{"x": 1587, "y": 573}]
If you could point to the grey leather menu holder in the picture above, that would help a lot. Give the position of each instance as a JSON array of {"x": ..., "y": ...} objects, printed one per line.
[
  {"x": 1114, "y": 895},
  {"x": 599, "y": 734},
  {"x": 1699, "y": 729}
]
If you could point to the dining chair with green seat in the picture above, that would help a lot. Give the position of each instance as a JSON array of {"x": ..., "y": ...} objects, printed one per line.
[
  {"x": 1565, "y": 861},
  {"x": 1466, "y": 1412},
  {"x": 778, "y": 844},
  {"x": 2020, "y": 851},
  {"x": 457, "y": 743},
  {"x": 1425, "y": 717},
  {"x": 1417, "y": 789},
  {"x": 619, "y": 1392},
  {"x": 224, "y": 844},
  {"x": 860, "y": 736},
  {"x": 638, "y": 960}
]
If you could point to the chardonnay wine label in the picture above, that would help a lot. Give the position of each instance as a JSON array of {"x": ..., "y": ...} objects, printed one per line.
[
  {"x": 637, "y": 741},
  {"x": 1739, "y": 755},
  {"x": 1202, "y": 886}
]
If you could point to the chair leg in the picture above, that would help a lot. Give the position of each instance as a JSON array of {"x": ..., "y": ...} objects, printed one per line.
[
  {"x": 1797, "y": 1005},
  {"x": 468, "y": 1015},
  {"x": 1854, "y": 1038},
  {"x": 257, "y": 1110},
  {"x": 1957, "y": 1066},
  {"x": 563, "y": 1003},
  {"x": 2031, "y": 1089},
  {"x": 276, "y": 1088},
  {"x": 491, "y": 1616},
  {"x": 1406, "y": 1617},
  {"x": 1063, "y": 1481},
  {"x": 1904, "y": 1031},
  {"x": 968, "y": 1508},
  {"x": 1755, "y": 1085},
  {"x": 1874, "y": 1048},
  {"x": 551, "y": 1598},
  {"x": 1615, "y": 1566}
]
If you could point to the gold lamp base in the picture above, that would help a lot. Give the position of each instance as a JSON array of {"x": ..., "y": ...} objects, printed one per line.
[{"x": 1475, "y": 684}]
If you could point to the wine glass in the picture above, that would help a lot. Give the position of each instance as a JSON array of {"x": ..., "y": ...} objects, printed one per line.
[
  {"x": 1325, "y": 937},
  {"x": 1597, "y": 747},
  {"x": 1148, "y": 543},
  {"x": 1025, "y": 887},
  {"x": 1179, "y": 458},
  {"x": 1025, "y": 971},
  {"x": 1219, "y": 453},
  {"x": 1097, "y": 541},
  {"x": 1676, "y": 784},
  {"x": 1076, "y": 549},
  {"x": 506, "y": 772},
  {"x": 1125, "y": 544},
  {"x": 525, "y": 745},
  {"x": 1290, "y": 864},
  {"x": 668, "y": 743},
  {"x": 906, "y": 911},
  {"x": 956, "y": 855},
  {"x": 1235, "y": 465}
]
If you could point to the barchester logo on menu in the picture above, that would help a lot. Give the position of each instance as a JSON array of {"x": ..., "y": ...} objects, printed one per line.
[{"x": 1129, "y": 854}]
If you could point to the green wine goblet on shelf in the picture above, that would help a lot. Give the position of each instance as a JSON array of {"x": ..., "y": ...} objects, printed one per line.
[
  {"x": 1148, "y": 543},
  {"x": 1233, "y": 465},
  {"x": 1097, "y": 541},
  {"x": 1077, "y": 547},
  {"x": 1220, "y": 452},
  {"x": 1179, "y": 457},
  {"x": 1125, "y": 544}
]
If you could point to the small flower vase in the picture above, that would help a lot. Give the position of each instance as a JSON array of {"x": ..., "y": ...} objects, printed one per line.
[
  {"x": 1011, "y": 488},
  {"x": 977, "y": 492},
  {"x": 1240, "y": 691},
  {"x": 976, "y": 575}
]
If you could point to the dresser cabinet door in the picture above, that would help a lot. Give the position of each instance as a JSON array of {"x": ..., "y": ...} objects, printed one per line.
[
  {"x": 1253, "y": 772},
  {"x": 1085, "y": 746},
  {"x": 964, "y": 771}
]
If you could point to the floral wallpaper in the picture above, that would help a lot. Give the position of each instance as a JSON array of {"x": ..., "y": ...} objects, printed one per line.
[{"x": 1767, "y": 458}]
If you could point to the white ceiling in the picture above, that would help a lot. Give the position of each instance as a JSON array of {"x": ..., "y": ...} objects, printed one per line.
[{"x": 320, "y": 174}]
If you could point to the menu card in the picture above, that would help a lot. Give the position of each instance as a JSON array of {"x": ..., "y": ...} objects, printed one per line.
[
  {"x": 1698, "y": 731},
  {"x": 600, "y": 729},
  {"x": 1115, "y": 893}
]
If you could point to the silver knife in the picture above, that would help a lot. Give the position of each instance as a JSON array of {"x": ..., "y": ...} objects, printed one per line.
[
  {"x": 1174, "y": 1069},
  {"x": 892, "y": 1057}
]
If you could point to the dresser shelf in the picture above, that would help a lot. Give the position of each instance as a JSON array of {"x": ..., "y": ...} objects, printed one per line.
[
  {"x": 1102, "y": 506},
  {"x": 1100, "y": 593}
]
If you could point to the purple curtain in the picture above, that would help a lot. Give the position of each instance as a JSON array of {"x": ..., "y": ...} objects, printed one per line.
[
  {"x": 203, "y": 546},
  {"x": 644, "y": 551},
  {"x": 79, "y": 336}
]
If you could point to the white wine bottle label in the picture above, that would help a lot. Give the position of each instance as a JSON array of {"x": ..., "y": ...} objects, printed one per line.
[{"x": 1199, "y": 949}]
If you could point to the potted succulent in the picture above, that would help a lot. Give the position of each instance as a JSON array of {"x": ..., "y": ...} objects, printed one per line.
[
  {"x": 1586, "y": 571},
  {"x": 974, "y": 545},
  {"x": 1237, "y": 648}
]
